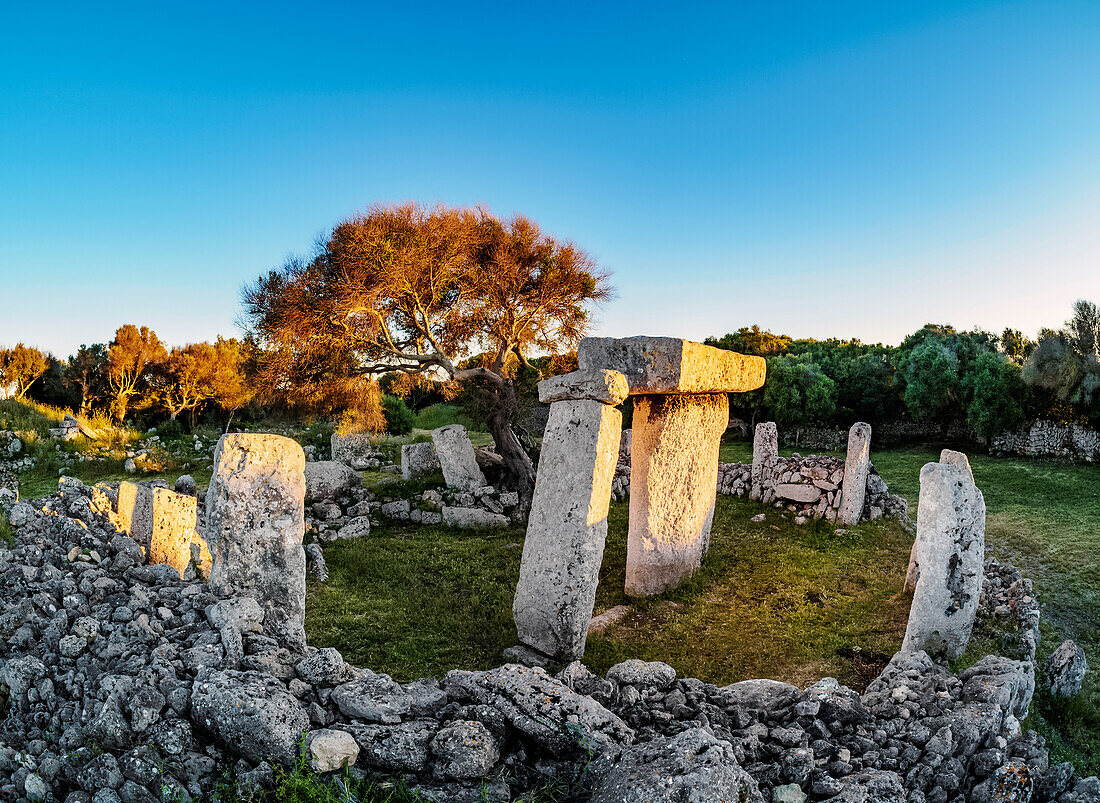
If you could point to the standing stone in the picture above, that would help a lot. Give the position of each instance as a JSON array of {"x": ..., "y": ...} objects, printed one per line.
[
  {"x": 857, "y": 465},
  {"x": 567, "y": 526},
  {"x": 680, "y": 412},
  {"x": 950, "y": 552},
  {"x": 456, "y": 457},
  {"x": 1065, "y": 670},
  {"x": 673, "y": 485},
  {"x": 135, "y": 513},
  {"x": 765, "y": 454},
  {"x": 255, "y": 514},
  {"x": 417, "y": 459},
  {"x": 950, "y": 458},
  {"x": 174, "y": 520}
]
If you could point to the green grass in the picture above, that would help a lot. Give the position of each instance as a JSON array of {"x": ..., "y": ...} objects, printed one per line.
[
  {"x": 440, "y": 415},
  {"x": 1043, "y": 516},
  {"x": 418, "y": 601},
  {"x": 773, "y": 599}
]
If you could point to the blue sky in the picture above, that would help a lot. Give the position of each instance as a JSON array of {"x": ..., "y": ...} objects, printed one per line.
[{"x": 822, "y": 169}]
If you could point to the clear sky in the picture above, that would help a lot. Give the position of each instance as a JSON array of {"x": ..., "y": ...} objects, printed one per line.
[{"x": 820, "y": 168}]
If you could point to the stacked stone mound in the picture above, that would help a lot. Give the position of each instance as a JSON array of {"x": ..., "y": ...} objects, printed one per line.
[
  {"x": 1008, "y": 606},
  {"x": 344, "y": 509},
  {"x": 123, "y": 681},
  {"x": 811, "y": 487}
]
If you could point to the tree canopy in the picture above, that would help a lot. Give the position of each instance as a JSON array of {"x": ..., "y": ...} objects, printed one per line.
[{"x": 415, "y": 291}]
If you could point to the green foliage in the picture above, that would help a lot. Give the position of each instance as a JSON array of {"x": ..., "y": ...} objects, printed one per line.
[
  {"x": 399, "y": 418},
  {"x": 752, "y": 340},
  {"x": 435, "y": 416},
  {"x": 797, "y": 390},
  {"x": 931, "y": 380},
  {"x": 5, "y": 530},
  {"x": 172, "y": 428},
  {"x": 994, "y": 385}
]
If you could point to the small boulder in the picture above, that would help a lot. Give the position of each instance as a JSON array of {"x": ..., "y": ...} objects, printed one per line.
[
  {"x": 1065, "y": 669},
  {"x": 329, "y": 750},
  {"x": 327, "y": 478}
]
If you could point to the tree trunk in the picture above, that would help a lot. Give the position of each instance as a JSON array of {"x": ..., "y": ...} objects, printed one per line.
[{"x": 518, "y": 466}]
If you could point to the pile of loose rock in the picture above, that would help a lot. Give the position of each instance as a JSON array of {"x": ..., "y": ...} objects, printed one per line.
[
  {"x": 339, "y": 507},
  {"x": 124, "y": 682}
]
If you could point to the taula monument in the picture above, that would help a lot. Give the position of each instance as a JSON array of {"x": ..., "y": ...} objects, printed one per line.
[{"x": 681, "y": 409}]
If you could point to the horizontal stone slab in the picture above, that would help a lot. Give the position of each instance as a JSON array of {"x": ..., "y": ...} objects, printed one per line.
[
  {"x": 668, "y": 365},
  {"x": 609, "y": 387},
  {"x": 798, "y": 492}
]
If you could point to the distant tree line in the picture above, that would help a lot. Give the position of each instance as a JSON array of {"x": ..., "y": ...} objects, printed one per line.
[
  {"x": 937, "y": 375},
  {"x": 135, "y": 374}
]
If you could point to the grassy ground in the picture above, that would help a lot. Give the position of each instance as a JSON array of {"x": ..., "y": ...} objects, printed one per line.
[
  {"x": 773, "y": 599},
  {"x": 1043, "y": 517}
]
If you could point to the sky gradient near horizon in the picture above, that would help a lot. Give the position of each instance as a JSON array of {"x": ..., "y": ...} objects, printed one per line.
[{"x": 820, "y": 169}]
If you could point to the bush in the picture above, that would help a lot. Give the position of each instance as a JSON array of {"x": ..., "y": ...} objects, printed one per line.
[
  {"x": 170, "y": 429},
  {"x": 435, "y": 416},
  {"x": 399, "y": 418}
]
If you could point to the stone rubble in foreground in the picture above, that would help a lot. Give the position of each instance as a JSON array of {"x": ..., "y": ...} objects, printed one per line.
[{"x": 125, "y": 683}]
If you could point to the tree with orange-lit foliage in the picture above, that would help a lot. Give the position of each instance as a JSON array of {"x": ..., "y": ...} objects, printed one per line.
[
  {"x": 21, "y": 366},
  {"x": 198, "y": 374},
  {"x": 415, "y": 291},
  {"x": 129, "y": 358}
]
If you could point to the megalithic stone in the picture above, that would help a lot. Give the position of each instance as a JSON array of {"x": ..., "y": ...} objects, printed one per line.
[
  {"x": 680, "y": 412},
  {"x": 673, "y": 485},
  {"x": 765, "y": 454},
  {"x": 951, "y": 458},
  {"x": 174, "y": 519},
  {"x": 567, "y": 526},
  {"x": 857, "y": 465},
  {"x": 255, "y": 522},
  {"x": 950, "y": 552},
  {"x": 135, "y": 513},
  {"x": 456, "y": 457}
]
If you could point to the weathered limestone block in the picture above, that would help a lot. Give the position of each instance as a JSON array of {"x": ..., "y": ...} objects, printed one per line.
[
  {"x": 609, "y": 387},
  {"x": 353, "y": 447},
  {"x": 567, "y": 527},
  {"x": 418, "y": 459},
  {"x": 953, "y": 458},
  {"x": 326, "y": 478},
  {"x": 671, "y": 365},
  {"x": 947, "y": 457},
  {"x": 174, "y": 520},
  {"x": 950, "y": 553},
  {"x": 798, "y": 492},
  {"x": 135, "y": 512},
  {"x": 765, "y": 454},
  {"x": 673, "y": 484},
  {"x": 472, "y": 518},
  {"x": 255, "y": 521},
  {"x": 857, "y": 466},
  {"x": 456, "y": 457}
]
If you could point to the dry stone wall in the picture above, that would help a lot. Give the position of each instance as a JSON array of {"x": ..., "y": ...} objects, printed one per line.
[
  {"x": 810, "y": 487},
  {"x": 125, "y": 682}
]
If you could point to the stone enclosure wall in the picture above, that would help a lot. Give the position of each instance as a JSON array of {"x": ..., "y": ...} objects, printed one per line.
[
  {"x": 125, "y": 682},
  {"x": 1037, "y": 438}
]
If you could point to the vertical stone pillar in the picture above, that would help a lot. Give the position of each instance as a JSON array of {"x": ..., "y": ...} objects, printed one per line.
[
  {"x": 857, "y": 465},
  {"x": 681, "y": 409},
  {"x": 765, "y": 457},
  {"x": 567, "y": 526},
  {"x": 947, "y": 457},
  {"x": 950, "y": 551},
  {"x": 174, "y": 520},
  {"x": 255, "y": 522},
  {"x": 673, "y": 485},
  {"x": 456, "y": 457},
  {"x": 135, "y": 513}
]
